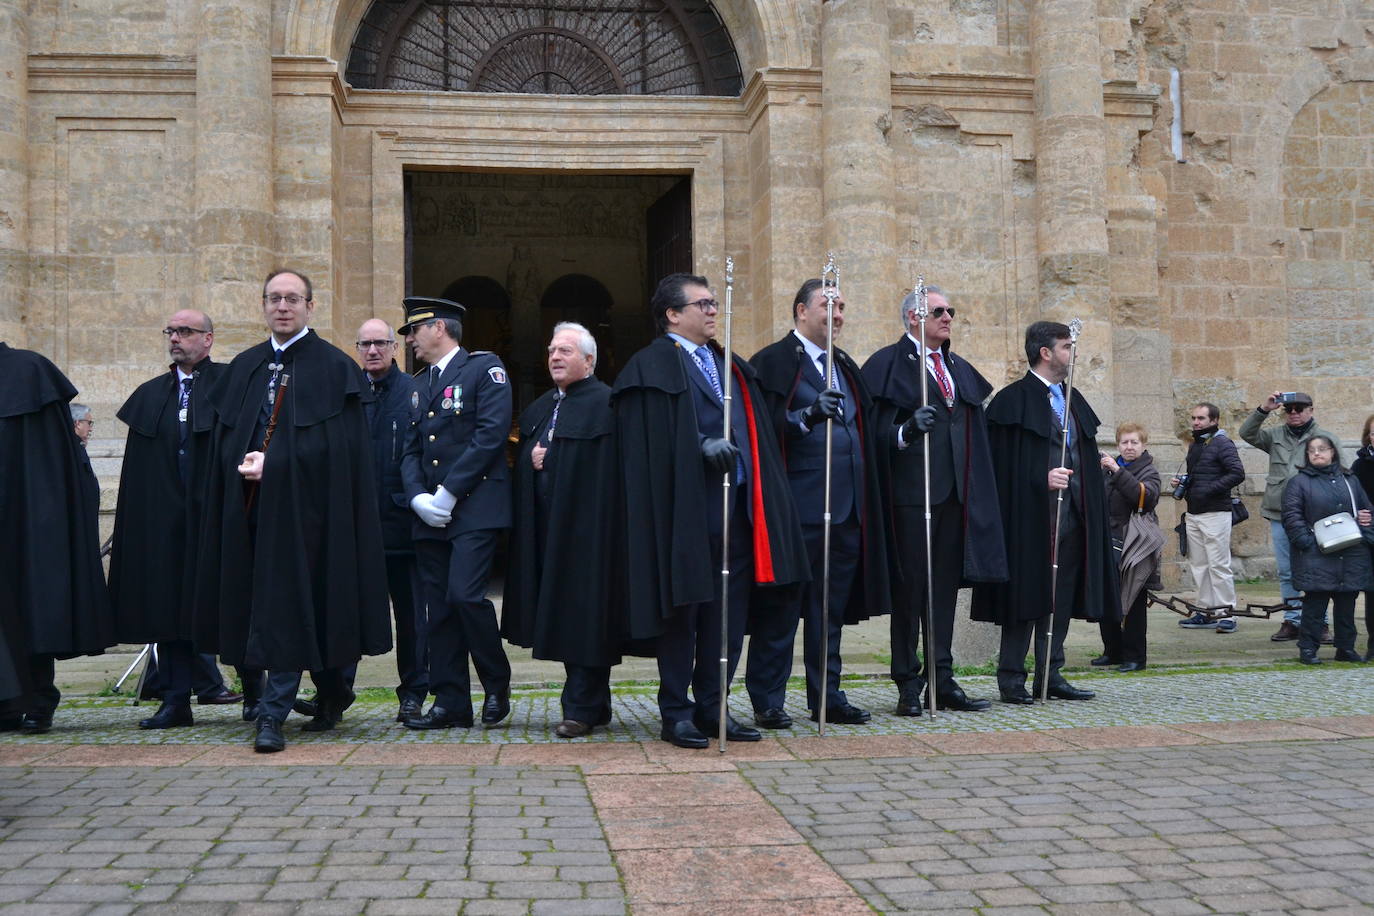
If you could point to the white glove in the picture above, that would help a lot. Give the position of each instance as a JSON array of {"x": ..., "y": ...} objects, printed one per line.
[
  {"x": 444, "y": 501},
  {"x": 423, "y": 506}
]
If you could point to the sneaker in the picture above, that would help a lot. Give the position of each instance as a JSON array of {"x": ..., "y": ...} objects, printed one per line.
[
  {"x": 1286, "y": 633},
  {"x": 1226, "y": 625},
  {"x": 1198, "y": 621}
]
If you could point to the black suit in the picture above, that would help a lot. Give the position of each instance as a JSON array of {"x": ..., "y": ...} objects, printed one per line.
[
  {"x": 462, "y": 446},
  {"x": 773, "y": 636}
]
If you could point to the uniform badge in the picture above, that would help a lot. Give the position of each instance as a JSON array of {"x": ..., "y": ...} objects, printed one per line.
[
  {"x": 181, "y": 415},
  {"x": 446, "y": 403},
  {"x": 415, "y": 400},
  {"x": 498, "y": 375}
]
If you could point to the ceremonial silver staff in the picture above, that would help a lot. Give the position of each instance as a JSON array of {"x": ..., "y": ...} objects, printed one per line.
[
  {"x": 726, "y": 387},
  {"x": 1075, "y": 328},
  {"x": 830, "y": 288},
  {"x": 922, "y": 312}
]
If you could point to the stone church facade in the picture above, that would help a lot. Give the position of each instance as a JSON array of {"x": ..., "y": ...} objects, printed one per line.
[{"x": 1191, "y": 178}]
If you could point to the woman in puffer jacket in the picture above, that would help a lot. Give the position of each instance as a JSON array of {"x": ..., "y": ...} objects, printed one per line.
[
  {"x": 1364, "y": 472},
  {"x": 1321, "y": 488}
]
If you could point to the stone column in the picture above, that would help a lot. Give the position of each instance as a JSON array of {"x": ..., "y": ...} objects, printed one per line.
[
  {"x": 858, "y": 191},
  {"x": 14, "y": 173},
  {"x": 1070, "y": 172},
  {"x": 233, "y": 188}
]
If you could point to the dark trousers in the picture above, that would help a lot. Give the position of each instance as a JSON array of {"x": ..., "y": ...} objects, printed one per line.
[
  {"x": 1369, "y": 623},
  {"x": 462, "y": 622},
  {"x": 1124, "y": 640},
  {"x": 44, "y": 695},
  {"x": 282, "y": 686},
  {"x": 909, "y": 604},
  {"x": 587, "y": 693},
  {"x": 176, "y": 662},
  {"x": 1314, "y": 616},
  {"x": 689, "y": 647},
  {"x": 1017, "y": 638},
  {"x": 412, "y": 627},
  {"x": 774, "y": 635}
]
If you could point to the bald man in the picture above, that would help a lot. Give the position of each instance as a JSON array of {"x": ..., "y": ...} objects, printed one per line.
[{"x": 396, "y": 399}]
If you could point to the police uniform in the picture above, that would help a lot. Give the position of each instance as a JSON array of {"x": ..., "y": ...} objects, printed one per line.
[{"x": 457, "y": 440}]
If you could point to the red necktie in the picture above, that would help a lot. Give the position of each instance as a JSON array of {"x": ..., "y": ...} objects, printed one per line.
[{"x": 941, "y": 378}]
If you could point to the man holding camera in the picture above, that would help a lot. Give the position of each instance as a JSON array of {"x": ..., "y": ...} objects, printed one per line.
[
  {"x": 1287, "y": 446},
  {"x": 1214, "y": 467}
]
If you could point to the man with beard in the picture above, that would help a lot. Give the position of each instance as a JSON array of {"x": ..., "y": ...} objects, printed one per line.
[
  {"x": 558, "y": 600},
  {"x": 1026, "y": 427},
  {"x": 801, "y": 396},
  {"x": 456, "y": 482},
  {"x": 287, "y": 574},
  {"x": 670, "y": 416},
  {"x": 389, "y": 415},
  {"x": 53, "y": 603},
  {"x": 161, "y": 487},
  {"x": 966, "y": 546}
]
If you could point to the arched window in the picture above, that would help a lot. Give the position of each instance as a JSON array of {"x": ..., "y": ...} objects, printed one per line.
[{"x": 562, "y": 47}]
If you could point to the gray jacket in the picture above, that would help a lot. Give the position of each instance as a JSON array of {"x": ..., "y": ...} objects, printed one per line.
[{"x": 1287, "y": 452}]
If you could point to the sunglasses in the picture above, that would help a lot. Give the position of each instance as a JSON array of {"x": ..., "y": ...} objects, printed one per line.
[{"x": 1295, "y": 408}]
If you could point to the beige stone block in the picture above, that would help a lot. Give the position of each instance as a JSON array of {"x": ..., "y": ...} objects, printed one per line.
[{"x": 1321, "y": 182}]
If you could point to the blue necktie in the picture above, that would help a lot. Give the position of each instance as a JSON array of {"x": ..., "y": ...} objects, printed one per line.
[
  {"x": 707, "y": 364},
  {"x": 1057, "y": 402}
]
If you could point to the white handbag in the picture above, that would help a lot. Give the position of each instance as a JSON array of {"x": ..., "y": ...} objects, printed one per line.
[{"x": 1339, "y": 530}]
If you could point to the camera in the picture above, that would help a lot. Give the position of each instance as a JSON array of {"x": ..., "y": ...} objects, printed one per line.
[
  {"x": 1288, "y": 397},
  {"x": 1182, "y": 486}
]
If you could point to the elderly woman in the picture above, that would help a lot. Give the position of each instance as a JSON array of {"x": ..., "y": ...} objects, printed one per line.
[
  {"x": 1132, "y": 486},
  {"x": 1322, "y": 488},
  {"x": 1364, "y": 472}
]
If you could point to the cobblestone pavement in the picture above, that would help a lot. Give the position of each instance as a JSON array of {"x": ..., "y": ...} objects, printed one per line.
[{"x": 1241, "y": 792}]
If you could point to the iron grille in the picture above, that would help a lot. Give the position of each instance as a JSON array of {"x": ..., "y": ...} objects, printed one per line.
[{"x": 561, "y": 47}]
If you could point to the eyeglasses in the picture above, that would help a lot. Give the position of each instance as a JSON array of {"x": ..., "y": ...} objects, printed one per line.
[
  {"x": 292, "y": 300},
  {"x": 706, "y": 305},
  {"x": 1295, "y": 408},
  {"x": 183, "y": 332},
  {"x": 942, "y": 310},
  {"x": 379, "y": 344}
]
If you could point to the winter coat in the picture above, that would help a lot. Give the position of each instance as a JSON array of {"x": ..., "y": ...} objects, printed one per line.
[
  {"x": 1213, "y": 469},
  {"x": 1313, "y": 494},
  {"x": 1287, "y": 450}
]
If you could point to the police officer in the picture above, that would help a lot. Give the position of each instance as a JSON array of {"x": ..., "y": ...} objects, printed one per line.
[{"x": 454, "y": 471}]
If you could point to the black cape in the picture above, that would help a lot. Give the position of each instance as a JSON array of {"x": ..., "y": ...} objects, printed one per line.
[
  {"x": 558, "y": 598},
  {"x": 667, "y": 555},
  {"x": 152, "y": 559},
  {"x": 779, "y": 371},
  {"x": 1019, "y": 426},
  {"x": 895, "y": 397},
  {"x": 309, "y": 590},
  {"x": 52, "y": 587}
]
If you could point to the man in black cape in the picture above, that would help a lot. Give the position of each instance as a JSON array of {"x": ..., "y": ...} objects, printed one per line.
[
  {"x": 287, "y": 576},
  {"x": 53, "y": 603},
  {"x": 800, "y": 399},
  {"x": 1025, "y": 424},
  {"x": 966, "y": 527},
  {"x": 673, "y": 458},
  {"x": 157, "y": 520},
  {"x": 558, "y": 600}
]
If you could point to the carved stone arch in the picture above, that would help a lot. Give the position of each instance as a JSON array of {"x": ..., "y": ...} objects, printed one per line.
[{"x": 766, "y": 33}]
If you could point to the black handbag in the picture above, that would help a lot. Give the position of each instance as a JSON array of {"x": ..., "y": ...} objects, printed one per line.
[{"x": 1238, "y": 511}]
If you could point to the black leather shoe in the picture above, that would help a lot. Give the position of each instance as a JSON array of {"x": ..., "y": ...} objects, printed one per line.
[
  {"x": 495, "y": 708},
  {"x": 36, "y": 723},
  {"x": 1018, "y": 697},
  {"x": 1349, "y": 655},
  {"x": 1305, "y": 659},
  {"x": 910, "y": 703},
  {"x": 683, "y": 734},
  {"x": 734, "y": 731},
  {"x": 269, "y": 738},
  {"x": 11, "y": 723},
  {"x": 250, "y": 710},
  {"x": 410, "y": 708},
  {"x": 223, "y": 698},
  {"x": 571, "y": 728},
  {"x": 959, "y": 701},
  {"x": 776, "y": 717},
  {"x": 303, "y": 707},
  {"x": 323, "y": 722},
  {"x": 169, "y": 715},
  {"x": 439, "y": 717},
  {"x": 1102, "y": 661},
  {"x": 1066, "y": 691},
  {"x": 1126, "y": 667},
  {"x": 843, "y": 714}
]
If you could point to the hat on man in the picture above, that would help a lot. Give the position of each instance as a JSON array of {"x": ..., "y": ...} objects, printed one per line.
[
  {"x": 420, "y": 308},
  {"x": 1301, "y": 398}
]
